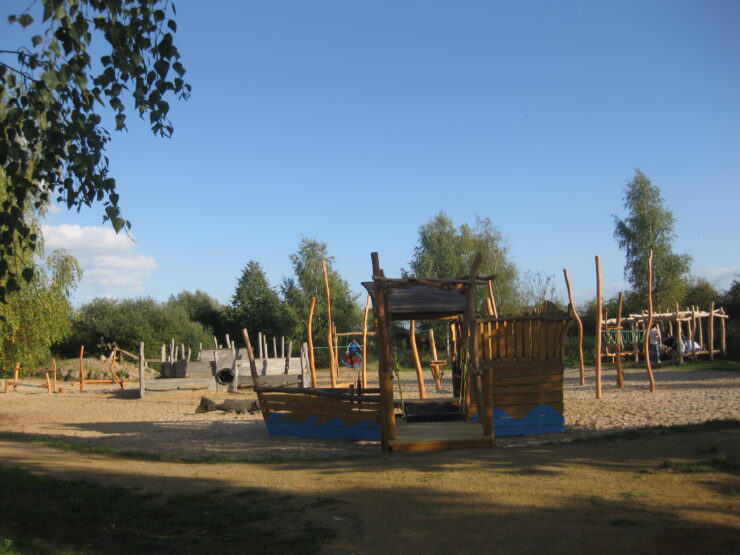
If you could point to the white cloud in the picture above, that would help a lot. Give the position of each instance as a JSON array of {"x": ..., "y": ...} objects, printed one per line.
[
  {"x": 722, "y": 274},
  {"x": 110, "y": 264}
]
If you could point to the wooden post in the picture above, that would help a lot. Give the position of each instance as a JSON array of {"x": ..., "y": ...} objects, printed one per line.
[
  {"x": 200, "y": 350},
  {"x": 635, "y": 343},
  {"x": 282, "y": 346},
  {"x": 82, "y": 368},
  {"x": 710, "y": 331},
  {"x": 723, "y": 338},
  {"x": 311, "y": 360},
  {"x": 259, "y": 344},
  {"x": 287, "y": 355},
  {"x": 679, "y": 338},
  {"x": 274, "y": 347},
  {"x": 700, "y": 326},
  {"x": 142, "y": 371},
  {"x": 579, "y": 324},
  {"x": 618, "y": 355},
  {"x": 649, "y": 325},
  {"x": 436, "y": 363},
  {"x": 693, "y": 332},
  {"x": 252, "y": 362},
  {"x": 329, "y": 334},
  {"x": 385, "y": 355},
  {"x": 417, "y": 361},
  {"x": 599, "y": 309},
  {"x": 16, "y": 372},
  {"x": 54, "y": 367},
  {"x": 228, "y": 341},
  {"x": 364, "y": 342},
  {"x": 492, "y": 297},
  {"x": 471, "y": 335}
]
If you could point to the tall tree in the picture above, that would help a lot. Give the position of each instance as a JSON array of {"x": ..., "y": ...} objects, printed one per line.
[
  {"x": 53, "y": 95},
  {"x": 38, "y": 315},
  {"x": 202, "y": 308},
  {"x": 307, "y": 282},
  {"x": 649, "y": 226},
  {"x": 444, "y": 250},
  {"x": 256, "y": 304}
]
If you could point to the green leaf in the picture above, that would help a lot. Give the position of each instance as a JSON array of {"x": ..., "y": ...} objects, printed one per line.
[
  {"x": 172, "y": 25},
  {"x": 118, "y": 224},
  {"x": 27, "y": 274},
  {"x": 25, "y": 20},
  {"x": 51, "y": 79},
  {"x": 37, "y": 39}
]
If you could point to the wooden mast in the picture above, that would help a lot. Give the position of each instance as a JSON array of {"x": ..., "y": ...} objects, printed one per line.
[
  {"x": 579, "y": 323},
  {"x": 483, "y": 405},
  {"x": 385, "y": 355}
]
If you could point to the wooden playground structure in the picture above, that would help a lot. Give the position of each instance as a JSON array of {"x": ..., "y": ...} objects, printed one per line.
[{"x": 507, "y": 374}]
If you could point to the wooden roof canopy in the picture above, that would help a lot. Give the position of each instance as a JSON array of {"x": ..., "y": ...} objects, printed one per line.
[{"x": 424, "y": 298}]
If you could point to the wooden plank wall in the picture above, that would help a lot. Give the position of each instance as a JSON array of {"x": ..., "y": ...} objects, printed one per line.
[
  {"x": 300, "y": 406},
  {"x": 519, "y": 387},
  {"x": 521, "y": 339}
]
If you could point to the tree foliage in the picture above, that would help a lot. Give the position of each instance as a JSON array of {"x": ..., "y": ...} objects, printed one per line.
[
  {"x": 38, "y": 315},
  {"x": 130, "y": 321},
  {"x": 444, "y": 250},
  {"x": 649, "y": 226},
  {"x": 52, "y": 94},
  {"x": 700, "y": 292},
  {"x": 256, "y": 304},
  {"x": 307, "y": 282},
  {"x": 202, "y": 308}
]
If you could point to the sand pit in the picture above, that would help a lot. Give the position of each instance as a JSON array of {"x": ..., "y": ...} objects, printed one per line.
[{"x": 167, "y": 423}]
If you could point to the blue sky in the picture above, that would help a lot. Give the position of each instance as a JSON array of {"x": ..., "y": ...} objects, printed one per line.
[{"x": 355, "y": 122}]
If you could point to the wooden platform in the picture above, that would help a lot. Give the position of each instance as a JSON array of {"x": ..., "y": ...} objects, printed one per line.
[{"x": 438, "y": 436}]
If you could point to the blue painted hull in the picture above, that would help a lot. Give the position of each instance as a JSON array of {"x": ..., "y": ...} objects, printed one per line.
[
  {"x": 540, "y": 420},
  {"x": 284, "y": 424}
]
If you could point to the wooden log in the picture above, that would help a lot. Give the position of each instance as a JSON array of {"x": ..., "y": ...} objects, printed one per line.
[
  {"x": 470, "y": 321},
  {"x": 173, "y": 355},
  {"x": 329, "y": 330},
  {"x": 311, "y": 359},
  {"x": 259, "y": 345},
  {"x": 620, "y": 346},
  {"x": 723, "y": 338},
  {"x": 282, "y": 347},
  {"x": 142, "y": 371},
  {"x": 599, "y": 308},
  {"x": 364, "y": 341},
  {"x": 417, "y": 360},
  {"x": 700, "y": 326},
  {"x": 385, "y": 355},
  {"x": 646, "y": 345},
  {"x": 274, "y": 347},
  {"x": 82, "y": 368},
  {"x": 436, "y": 363},
  {"x": 693, "y": 332}
]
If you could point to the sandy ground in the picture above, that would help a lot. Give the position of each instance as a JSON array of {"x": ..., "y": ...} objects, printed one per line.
[{"x": 167, "y": 422}]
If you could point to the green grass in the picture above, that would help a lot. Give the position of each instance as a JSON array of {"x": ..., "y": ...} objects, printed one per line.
[
  {"x": 47, "y": 515},
  {"x": 161, "y": 457}
]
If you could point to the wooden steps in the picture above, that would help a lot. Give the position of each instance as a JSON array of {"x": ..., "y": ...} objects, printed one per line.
[{"x": 438, "y": 436}]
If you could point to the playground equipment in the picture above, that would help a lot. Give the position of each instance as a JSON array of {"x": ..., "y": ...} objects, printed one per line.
[
  {"x": 112, "y": 361},
  {"x": 50, "y": 388},
  {"x": 226, "y": 368},
  {"x": 507, "y": 372}
]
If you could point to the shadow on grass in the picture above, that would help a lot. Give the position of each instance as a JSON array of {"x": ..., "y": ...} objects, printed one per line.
[{"x": 47, "y": 515}]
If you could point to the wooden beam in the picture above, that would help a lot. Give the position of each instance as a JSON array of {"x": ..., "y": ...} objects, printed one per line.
[{"x": 385, "y": 356}]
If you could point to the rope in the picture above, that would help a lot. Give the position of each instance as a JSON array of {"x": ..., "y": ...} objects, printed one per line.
[{"x": 628, "y": 336}]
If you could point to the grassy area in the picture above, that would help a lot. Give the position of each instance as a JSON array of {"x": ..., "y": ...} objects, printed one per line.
[{"x": 47, "y": 515}]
